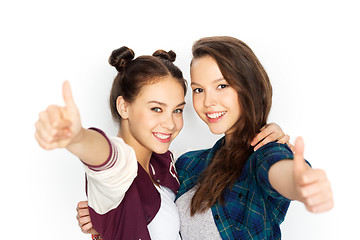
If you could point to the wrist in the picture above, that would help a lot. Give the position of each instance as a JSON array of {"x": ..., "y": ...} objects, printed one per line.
[{"x": 78, "y": 137}]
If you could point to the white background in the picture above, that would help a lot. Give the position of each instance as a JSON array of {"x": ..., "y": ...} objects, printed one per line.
[{"x": 310, "y": 50}]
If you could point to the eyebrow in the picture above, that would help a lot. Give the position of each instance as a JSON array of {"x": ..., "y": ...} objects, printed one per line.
[
  {"x": 214, "y": 81},
  {"x": 164, "y": 104}
]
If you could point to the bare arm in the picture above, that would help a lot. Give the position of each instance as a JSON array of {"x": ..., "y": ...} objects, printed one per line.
[
  {"x": 296, "y": 180},
  {"x": 60, "y": 127}
]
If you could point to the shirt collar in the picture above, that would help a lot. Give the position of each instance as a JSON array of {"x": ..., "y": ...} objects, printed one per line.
[{"x": 219, "y": 143}]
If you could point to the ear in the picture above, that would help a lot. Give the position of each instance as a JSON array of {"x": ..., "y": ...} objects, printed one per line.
[{"x": 122, "y": 107}]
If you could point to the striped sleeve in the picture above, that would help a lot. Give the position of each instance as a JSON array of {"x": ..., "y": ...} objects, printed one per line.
[{"x": 108, "y": 183}]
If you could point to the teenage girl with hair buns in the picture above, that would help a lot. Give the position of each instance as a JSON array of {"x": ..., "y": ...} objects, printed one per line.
[{"x": 131, "y": 180}]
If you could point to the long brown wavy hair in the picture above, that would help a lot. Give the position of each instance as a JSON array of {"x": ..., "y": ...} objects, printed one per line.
[{"x": 244, "y": 72}]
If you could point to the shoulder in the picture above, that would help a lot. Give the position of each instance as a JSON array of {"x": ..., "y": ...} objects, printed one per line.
[
  {"x": 272, "y": 152},
  {"x": 191, "y": 158}
]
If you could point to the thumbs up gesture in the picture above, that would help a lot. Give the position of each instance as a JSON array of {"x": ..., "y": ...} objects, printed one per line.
[
  {"x": 58, "y": 126},
  {"x": 312, "y": 185}
]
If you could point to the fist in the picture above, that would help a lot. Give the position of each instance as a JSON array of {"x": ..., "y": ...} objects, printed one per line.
[
  {"x": 312, "y": 185},
  {"x": 57, "y": 126}
]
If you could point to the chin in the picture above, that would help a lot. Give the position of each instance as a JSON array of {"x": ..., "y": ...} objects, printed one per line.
[
  {"x": 216, "y": 131},
  {"x": 160, "y": 151}
]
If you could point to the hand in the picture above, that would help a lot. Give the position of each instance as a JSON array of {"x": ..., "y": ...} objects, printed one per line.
[
  {"x": 269, "y": 133},
  {"x": 83, "y": 218},
  {"x": 312, "y": 185},
  {"x": 58, "y": 126}
]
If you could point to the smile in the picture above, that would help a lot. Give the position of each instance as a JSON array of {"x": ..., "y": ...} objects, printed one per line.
[
  {"x": 215, "y": 116},
  {"x": 164, "y": 138}
]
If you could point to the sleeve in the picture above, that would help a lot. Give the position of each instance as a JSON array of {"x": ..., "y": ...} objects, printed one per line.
[
  {"x": 108, "y": 183},
  {"x": 266, "y": 156},
  {"x": 96, "y": 237}
]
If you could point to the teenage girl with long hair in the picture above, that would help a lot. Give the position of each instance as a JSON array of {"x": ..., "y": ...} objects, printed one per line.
[{"x": 230, "y": 191}]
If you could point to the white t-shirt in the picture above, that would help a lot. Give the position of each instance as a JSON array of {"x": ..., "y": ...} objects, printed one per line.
[{"x": 107, "y": 185}]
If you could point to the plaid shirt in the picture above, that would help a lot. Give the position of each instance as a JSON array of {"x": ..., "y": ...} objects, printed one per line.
[{"x": 252, "y": 209}]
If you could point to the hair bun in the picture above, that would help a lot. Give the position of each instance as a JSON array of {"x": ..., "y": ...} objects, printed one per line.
[
  {"x": 120, "y": 57},
  {"x": 171, "y": 55}
]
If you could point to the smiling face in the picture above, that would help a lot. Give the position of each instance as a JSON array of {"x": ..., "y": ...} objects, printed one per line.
[
  {"x": 155, "y": 118},
  {"x": 214, "y": 100}
]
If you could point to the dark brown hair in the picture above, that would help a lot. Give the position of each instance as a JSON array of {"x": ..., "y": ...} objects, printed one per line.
[
  {"x": 244, "y": 72},
  {"x": 134, "y": 74}
]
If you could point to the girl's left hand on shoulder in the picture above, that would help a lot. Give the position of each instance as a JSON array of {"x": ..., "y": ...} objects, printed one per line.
[
  {"x": 269, "y": 133},
  {"x": 312, "y": 185}
]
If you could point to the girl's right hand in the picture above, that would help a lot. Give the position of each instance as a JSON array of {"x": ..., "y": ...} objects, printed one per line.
[
  {"x": 58, "y": 126},
  {"x": 83, "y": 218}
]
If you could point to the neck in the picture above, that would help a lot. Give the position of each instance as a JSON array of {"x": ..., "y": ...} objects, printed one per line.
[
  {"x": 228, "y": 137},
  {"x": 142, "y": 153}
]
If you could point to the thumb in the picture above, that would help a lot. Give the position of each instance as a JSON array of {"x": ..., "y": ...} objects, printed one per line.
[
  {"x": 67, "y": 95},
  {"x": 299, "y": 162}
]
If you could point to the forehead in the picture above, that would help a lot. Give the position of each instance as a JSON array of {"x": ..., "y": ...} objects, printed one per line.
[
  {"x": 166, "y": 89},
  {"x": 204, "y": 69}
]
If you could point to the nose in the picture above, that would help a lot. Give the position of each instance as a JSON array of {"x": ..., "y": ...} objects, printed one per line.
[
  {"x": 168, "y": 122},
  {"x": 209, "y": 100}
]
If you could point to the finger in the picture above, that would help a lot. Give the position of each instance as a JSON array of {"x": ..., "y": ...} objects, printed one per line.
[
  {"x": 84, "y": 220},
  {"x": 83, "y": 212},
  {"x": 299, "y": 162},
  {"x": 46, "y": 145},
  {"x": 68, "y": 97},
  {"x": 40, "y": 141},
  {"x": 315, "y": 188},
  {"x": 283, "y": 139},
  {"x": 319, "y": 198},
  {"x": 311, "y": 176},
  {"x": 86, "y": 227},
  {"x": 48, "y": 135},
  {"x": 324, "y": 207},
  {"x": 82, "y": 204},
  {"x": 44, "y": 121},
  {"x": 44, "y": 127},
  {"x": 264, "y": 132},
  {"x": 55, "y": 115},
  {"x": 292, "y": 147},
  {"x": 266, "y": 140}
]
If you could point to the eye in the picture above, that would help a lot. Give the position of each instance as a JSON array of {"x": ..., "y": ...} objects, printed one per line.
[
  {"x": 222, "y": 86},
  {"x": 198, "y": 90},
  {"x": 156, "y": 109},
  {"x": 180, "y": 110}
]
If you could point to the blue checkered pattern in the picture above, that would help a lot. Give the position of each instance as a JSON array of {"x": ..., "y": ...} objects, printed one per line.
[{"x": 252, "y": 209}]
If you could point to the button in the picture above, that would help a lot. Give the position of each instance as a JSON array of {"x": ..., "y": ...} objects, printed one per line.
[{"x": 216, "y": 217}]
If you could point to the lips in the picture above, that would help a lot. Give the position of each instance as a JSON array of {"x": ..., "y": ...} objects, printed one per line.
[
  {"x": 162, "y": 137},
  {"x": 215, "y": 116}
]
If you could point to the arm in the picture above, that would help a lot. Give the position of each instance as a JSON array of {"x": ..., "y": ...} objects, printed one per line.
[
  {"x": 269, "y": 133},
  {"x": 296, "y": 180},
  {"x": 60, "y": 127}
]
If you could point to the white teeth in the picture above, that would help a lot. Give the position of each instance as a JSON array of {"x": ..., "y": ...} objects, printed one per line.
[
  {"x": 161, "y": 136},
  {"x": 215, "y": 115}
]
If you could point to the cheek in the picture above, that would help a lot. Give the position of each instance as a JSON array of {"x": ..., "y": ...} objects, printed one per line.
[
  {"x": 179, "y": 123},
  {"x": 197, "y": 103}
]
